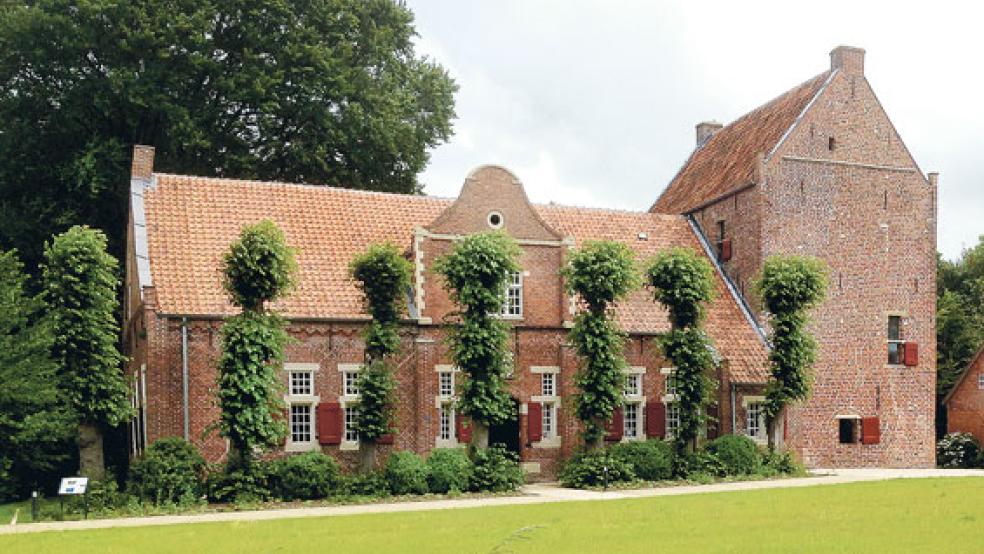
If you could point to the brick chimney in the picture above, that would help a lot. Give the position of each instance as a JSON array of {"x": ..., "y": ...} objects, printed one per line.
[
  {"x": 143, "y": 162},
  {"x": 706, "y": 130},
  {"x": 848, "y": 59}
]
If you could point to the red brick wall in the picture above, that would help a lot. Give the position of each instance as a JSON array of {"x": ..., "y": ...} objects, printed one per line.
[
  {"x": 741, "y": 214},
  {"x": 965, "y": 408}
]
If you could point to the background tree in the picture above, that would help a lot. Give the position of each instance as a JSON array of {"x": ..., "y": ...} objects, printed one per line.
[
  {"x": 80, "y": 294},
  {"x": 682, "y": 281},
  {"x": 790, "y": 286},
  {"x": 475, "y": 273},
  {"x": 600, "y": 273},
  {"x": 327, "y": 92},
  {"x": 36, "y": 428},
  {"x": 383, "y": 275},
  {"x": 258, "y": 268},
  {"x": 959, "y": 320}
]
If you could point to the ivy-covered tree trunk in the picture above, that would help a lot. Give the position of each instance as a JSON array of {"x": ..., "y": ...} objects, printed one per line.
[
  {"x": 479, "y": 436},
  {"x": 91, "y": 460}
]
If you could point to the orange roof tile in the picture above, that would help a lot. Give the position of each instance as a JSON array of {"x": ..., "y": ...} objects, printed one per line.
[
  {"x": 727, "y": 161},
  {"x": 192, "y": 220}
]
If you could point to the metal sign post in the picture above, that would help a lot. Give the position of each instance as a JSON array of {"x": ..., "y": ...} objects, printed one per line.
[{"x": 71, "y": 486}]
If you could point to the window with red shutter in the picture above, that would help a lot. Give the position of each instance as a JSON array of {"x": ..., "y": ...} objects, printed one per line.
[
  {"x": 911, "y": 354},
  {"x": 329, "y": 423},
  {"x": 725, "y": 250},
  {"x": 615, "y": 426},
  {"x": 870, "y": 430},
  {"x": 534, "y": 421},
  {"x": 656, "y": 420}
]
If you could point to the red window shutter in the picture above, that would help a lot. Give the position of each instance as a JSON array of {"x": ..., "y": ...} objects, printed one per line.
[
  {"x": 616, "y": 426},
  {"x": 785, "y": 425},
  {"x": 656, "y": 420},
  {"x": 725, "y": 250},
  {"x": 870, "y": 430},
  {"x": 385, "y": 439},
  {"x": 911, "y": 353},
  {"x": 330, "y": 423},
  {"x": 534, "y": 421},
  {"x": 462, "y": 428}
]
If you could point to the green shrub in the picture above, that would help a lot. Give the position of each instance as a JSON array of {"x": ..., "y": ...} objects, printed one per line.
[
  {"x": 596, "y": 469},
  {"x": 651, "y": 460},
  {"x": 406, "y": 473},
  {"x": 368, "y": 484},
  {"x": 958, "y": 450},
  {"x": 699, "y": 466},
  {"x": 448, "y": 470},
  {"x": 236, "y": 484},
  {"x": 780, "y": 463},
  {"x": 738, "y": 454},
  {"x": 497, "y": 470},
  {"x": 170, "y": 469},
  {"x": 307, "y": 476}
]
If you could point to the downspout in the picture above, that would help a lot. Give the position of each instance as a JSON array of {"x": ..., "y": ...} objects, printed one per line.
[
  {"x": 734, "y": 413},
  {"x": 184, "y": 376}
]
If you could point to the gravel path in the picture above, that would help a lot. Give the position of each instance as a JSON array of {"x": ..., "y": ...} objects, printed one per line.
[{"x": 531, "y": 494}]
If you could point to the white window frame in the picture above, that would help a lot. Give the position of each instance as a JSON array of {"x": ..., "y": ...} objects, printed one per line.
[
  {"x": 347, "y": 401},
  {"x": 310, "y": 400},
  {"x": 444, "y": 402},
  {"x": 672, "y": 422},
  {"x": 514, "y": 283},
  {"x": 550, "y": 404},
  {"x": 898, "y": 343},
  {"x": 637, "y": 398},
  {"x": 669, "y": 387},
  {"x": 980, "y": 381},
  {"x": 747, "y": 402}
]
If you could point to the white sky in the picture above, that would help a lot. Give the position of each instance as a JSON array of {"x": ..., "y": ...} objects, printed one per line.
[{"x": 594, "y": 102}]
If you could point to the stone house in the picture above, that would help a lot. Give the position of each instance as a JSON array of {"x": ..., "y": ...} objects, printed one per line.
[
  {"x": 819, "y": 170},
  {"x": 965, "y": 401}
]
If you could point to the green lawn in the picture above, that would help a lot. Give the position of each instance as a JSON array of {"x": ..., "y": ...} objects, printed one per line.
[{"x": 926, "y": 515}]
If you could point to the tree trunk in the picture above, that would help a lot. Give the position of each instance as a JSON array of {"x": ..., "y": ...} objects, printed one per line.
[
  {"x": 91, "y": 462},
  {"x": 598, "y": 442},
  {"x": 479, "y": 435},
  {"x": 773, "y": 425},
  {"x": 367, "y": 456}
]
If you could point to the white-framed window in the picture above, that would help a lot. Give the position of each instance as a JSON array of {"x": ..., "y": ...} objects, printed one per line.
[
  {"x": 896, "y": 346},
  {"x": 548, "y": 384},
  {"x": 350, "y": 382},
  {"x": 980, "y": 381},
  {"x": 512, "y": 302},
  {"x": 631, "y": 418},
  {"x": 301, "y": 402},
  {"x": 549, "y": 400},
  {"x": 755, "y": 418},
  {"x": 351, "y": 418},
  {"x": 446, "y": 423},
  {"x": 549, "y": 420},
  {"x": 446, "y": 384},
  {"x": 672, "y": 419},
  {"x": 633, "y": 384}
]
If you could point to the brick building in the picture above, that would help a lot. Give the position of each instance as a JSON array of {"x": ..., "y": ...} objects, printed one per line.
[
  {"x": 819, "y": 170},
  {"x": 965, "y": 401}
]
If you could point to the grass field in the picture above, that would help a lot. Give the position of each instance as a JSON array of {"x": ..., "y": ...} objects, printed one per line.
[{"x": 924, "y": 515}]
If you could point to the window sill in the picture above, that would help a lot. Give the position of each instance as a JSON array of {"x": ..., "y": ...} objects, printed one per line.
[
  {"x": 549, "y": 443},
  {"x": 302, "y": 447},
  {"x": 348, "y": 446},
  {"x": 450, "y": 443}
]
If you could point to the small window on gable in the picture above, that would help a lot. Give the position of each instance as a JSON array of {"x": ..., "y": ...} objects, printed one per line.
[
  {"x": 831, "y": 144},
  {"x": 847, "y": 430},
  {"x": 896, "y": 346},
  {"x": 495, "y": 220}
]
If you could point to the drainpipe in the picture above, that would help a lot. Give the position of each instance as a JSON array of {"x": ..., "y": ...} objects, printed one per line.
[
  {"x": 184, "y": 375},
  {"x": 734, "y": 413}
]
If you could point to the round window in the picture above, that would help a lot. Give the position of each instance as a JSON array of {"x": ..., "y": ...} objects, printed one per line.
[{"x": 495, "y": 220}]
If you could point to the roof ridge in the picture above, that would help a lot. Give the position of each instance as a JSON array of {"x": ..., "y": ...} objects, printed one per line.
[
  {"x": 771, "y": 102},
  {"x": 232, "y": 180}
]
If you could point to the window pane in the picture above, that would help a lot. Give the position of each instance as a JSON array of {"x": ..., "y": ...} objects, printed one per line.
[
  {"x": 446, "y": 384},
  {"x": 894, "y": 322},
  {"x": 301, "y": 383},
  {"x": 351, "y": 383},
  {"x": 351, "y": 418},
  {"x": 300, "y": 423},
  {"x": 512, "y": 302},
  {"x": 548, "y": 420},
  {"x": 846, "y": 431},
  {"x": 547, "y": 384},
  {"x": 754, "y": 416},
  {"x": 630, "y": 417},
  {"x": 446, "y": 430},
  {"x": 895, "y": 353}
]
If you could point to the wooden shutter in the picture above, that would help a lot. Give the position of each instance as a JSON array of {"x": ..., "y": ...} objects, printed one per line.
[
  {"x": 870, "y": 430},
  {"x": 656, "y": 420},
  {"x": 330, "y": 423},
  {"x": 462, "y": 428},
  {"x": 616, "y": 426},
  {"x": 911, "y": 354},
  {"x": 385, "y": 439},
  {"x": 725, "y": 250},
  {"x": 534, "y": 421}
]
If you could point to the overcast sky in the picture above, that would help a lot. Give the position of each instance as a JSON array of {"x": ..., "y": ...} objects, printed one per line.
[{"x": 594, "y": 103}]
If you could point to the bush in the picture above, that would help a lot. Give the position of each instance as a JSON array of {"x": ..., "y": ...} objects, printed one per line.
[
  {"x": 700, "y": 466},
  {"x": 589, "y": 470},
  {"x": 307, "y": 476},
  {"x": 958, "y": 450},
  {"x": 780, "y": 463},
  {"x": 171, "y": 470},
  {"x": 448, "y": 470},
  {"x": 738, "y": 454},
  {"x": 406, "y": 473},
  {"x": 651, "y": 460},
  {"x": 240, "y": 485},
  {"x": 369, "y": 484},
  {"x": 497, "y": 470}
]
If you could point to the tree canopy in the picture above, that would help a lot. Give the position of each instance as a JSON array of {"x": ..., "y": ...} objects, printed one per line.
[{"x": 327, "y": 92}]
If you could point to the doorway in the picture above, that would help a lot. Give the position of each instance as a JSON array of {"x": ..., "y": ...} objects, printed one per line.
[{"x": 507, "y": 434}]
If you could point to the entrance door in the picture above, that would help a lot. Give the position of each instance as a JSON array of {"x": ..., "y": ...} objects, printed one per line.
[{"x": 507, "y": 434}]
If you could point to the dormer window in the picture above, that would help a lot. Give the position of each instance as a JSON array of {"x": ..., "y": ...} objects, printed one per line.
[
  {"x": 495, "y": 220},
  {"x": 512, "y": 301}
]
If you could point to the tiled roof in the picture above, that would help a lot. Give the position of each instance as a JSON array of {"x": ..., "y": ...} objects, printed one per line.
[
  {"x": 728, "y": 160},
  {"x": 192, "y": 220}
]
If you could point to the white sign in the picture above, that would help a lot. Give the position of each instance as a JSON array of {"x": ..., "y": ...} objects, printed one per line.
[{"x": 73, "y": 485}]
